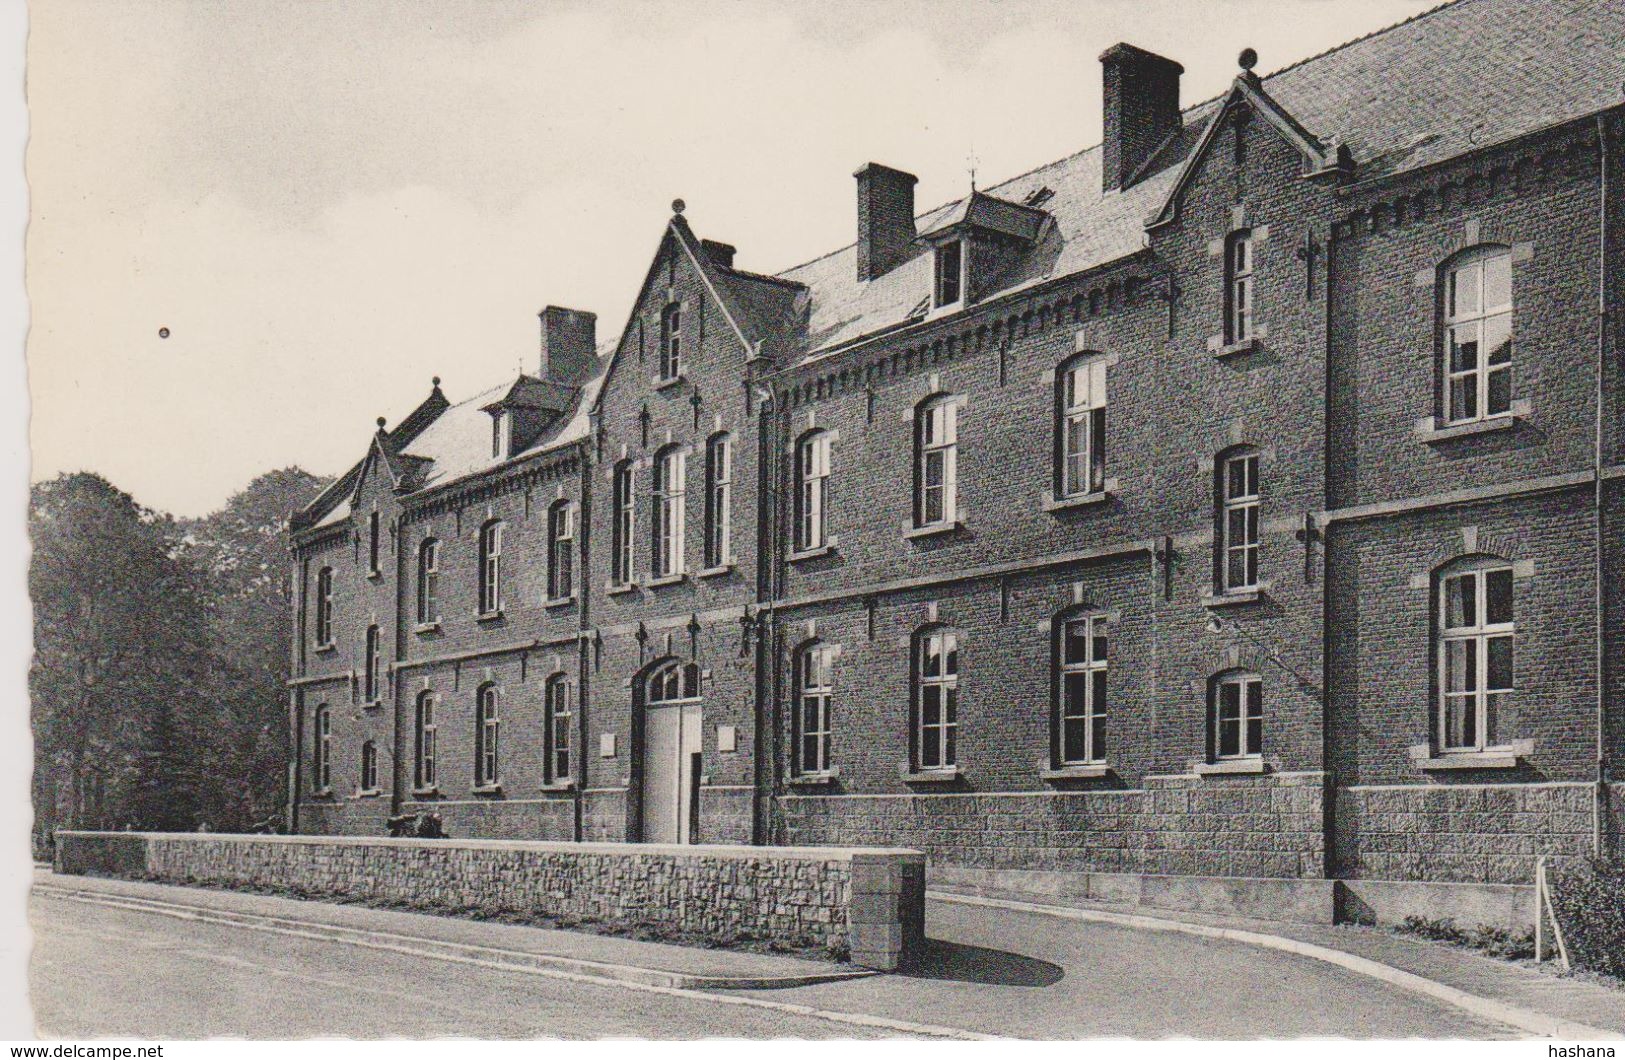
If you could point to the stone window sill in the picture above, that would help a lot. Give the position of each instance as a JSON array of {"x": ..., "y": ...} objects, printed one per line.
[
  {"x": 1236, "y": 349},
  {"x": 372, "y": 705},
  {"x": 432, "y": 791},
  {"x": 426, "y": 627},
  {"x": 1235, "y": 597},
  {"x": 828, "y": 776},
  {"x": 487, "y": 789},
  {"x": 369, "y": 793},
  {"x": 1052, "y": 503},
  {"x": 321, "y": 793},
  {"x": 375, "y": 575},
  {"x": 555, "y": 603},
  {"x": 1081, "y": 771},
  {"x": 559, "y": 785},
  {"x": 489, "y": 616},
  {"x": 716, "y": 572},
  {"x": 945, "y": 775},
  {"x": 933, "y": 530},
  {"x": 622, "y": 589},
  {"x": 802, "y": 555},
  {"x": 667, "y": 579},
  {"x": 1433, "y": 429},
  {"x": 323, "y": 649},
  {"x": 1230, "y": 767},
  {"x": 667, "y": 384},
  {"x": 1508, "y": 756}
]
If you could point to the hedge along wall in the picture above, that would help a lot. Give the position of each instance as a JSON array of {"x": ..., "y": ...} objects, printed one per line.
[
  {"x": 1588, "y": 896},
  {"x": 870, "y": 902}
]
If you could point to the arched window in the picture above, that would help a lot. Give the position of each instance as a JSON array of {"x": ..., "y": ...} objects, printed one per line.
[
  {"x": 424, "y": 773},
  {"x": 1238, "y": 287},
  {"x": 429, "y": 582},
  {"x": 1476, "y": 321},
  {"x": 936, "y": 462},
  {"x": 1237, "y": 710},
  {"x": 673, "y": 682},
  {"x": 321, "y": 773},
  {"x": 669, "y": 501},
  {"x": 369, "y": 767},
  {"x": 719, "y": 458},
  {"x": 491, "y": 568},
  {"x": 324, "y": 607},
  {"x": 815, "y": 686},
  {"x": 936, "y": 691},
  {"x": 1080, "y": 426},
  {"x": 560, "y": 708},
  {"x": 1475, "y": 634},
  {"x": 561, "y": 550},
  {"x": 1236, "y": 515},
  {"x": 671, "y": 342},
  {"x": 1080, "y": 648},
  {"x": 487, "y": 729},
  {"x": 622, "y": 515},
  {"x": 371, "y": 686},
  {"x": 812, "y": 486}
]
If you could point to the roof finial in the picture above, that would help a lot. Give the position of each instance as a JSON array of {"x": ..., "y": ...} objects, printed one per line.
[
  {"x": 971, "y": 160},
  {"x": 380, "y": 423},
  {"x": 678, "y": 206},
  {"x": 436, "y": 382},
  {"x": 1247, "y": 59}
]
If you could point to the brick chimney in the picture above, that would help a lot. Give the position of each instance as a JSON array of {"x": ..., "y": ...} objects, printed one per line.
[
  {"x": 569, "y": 345},
  {"x": 1141, "y": 97},
  {"x": 885, "y": 218},
  {"x": 720, "y": 253}
]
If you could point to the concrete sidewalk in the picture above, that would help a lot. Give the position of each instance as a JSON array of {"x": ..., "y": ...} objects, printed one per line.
[
  {"x": 572, "y": 952},
  {"x": 1521, "y": 986}
]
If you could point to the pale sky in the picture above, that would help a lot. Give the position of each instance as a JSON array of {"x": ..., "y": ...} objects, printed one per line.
[{"x": 328, "y": 204}]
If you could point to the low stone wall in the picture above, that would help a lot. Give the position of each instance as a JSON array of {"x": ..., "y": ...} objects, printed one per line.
[
  {"x": 1459, "y": 833},
  {"x": 870, "y": 902},
  {"x": 1269, "y": 826}
]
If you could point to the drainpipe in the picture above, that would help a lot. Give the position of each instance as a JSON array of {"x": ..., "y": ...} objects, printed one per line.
[{"x": 1600, "y": 793}]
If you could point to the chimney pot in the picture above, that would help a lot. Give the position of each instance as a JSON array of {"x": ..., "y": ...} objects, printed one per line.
[
  {"x": 885, "y": 219},
  {"x": 1140, "y": 94},
  {"x": 569, "y": 345}
]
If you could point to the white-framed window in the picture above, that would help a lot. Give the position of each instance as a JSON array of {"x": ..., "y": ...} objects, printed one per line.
[
  {"x": 1081, "y": 663},
  {"x": 372, "y": 542},
  {"x": 561, "y": 550},
  {"x": 1238, "y": 287},
  {"x": 1238, "y": 715},
  {"x": 936, "y": 681},
  {"x": 321, "y": 772},
  {"x": 1477, "y": 322},
  {"x": 371, "y": 685},
  {"x": 623, "y": 514},
  {"x": 560, "y": 709},
  {"x": 673, "y": 681},
  {"x": 425, "y": 731},
  {"x": 812, "y": 491},
  {"x": 1239, "y": 501},
  {"x": 491, "y": 568},
  {"x": 949, "y": 286},
  {"x": 369, "y": 766},
  {"x": 1080, "y": 426},
  {"x": 671, "y": 342},
  {"x": 501, "y": 434},
  {"x": 428, "y": 582},
  {"x": 815, "y": 686},
  {"x": 719, "y": 475},
  {"x": 936, "y": 472},
  {"x": 1476, "y": 634},
  {"x": 324, "y": 607},
  {"x": 487, "y": 730},
  {"x": 670, "y": 485}
]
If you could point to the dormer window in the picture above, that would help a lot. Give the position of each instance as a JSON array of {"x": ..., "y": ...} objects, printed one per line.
[{"x": 950, "y": 273}]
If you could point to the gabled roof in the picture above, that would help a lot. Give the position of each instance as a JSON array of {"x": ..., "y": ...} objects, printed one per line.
[
  {"x": 981, "y": 210},
  {"x": 530, "y": 392},
  {"x": 332, "y": 505},
  {"x": 1451, "y": 80}
]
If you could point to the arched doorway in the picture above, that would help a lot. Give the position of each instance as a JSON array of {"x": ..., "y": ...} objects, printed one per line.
[{"x": 670, "y": 752}]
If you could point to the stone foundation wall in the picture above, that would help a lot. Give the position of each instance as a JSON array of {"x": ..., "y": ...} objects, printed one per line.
[
  {"x": 871, "y": 902},
  {"x": 1270, "y": 826},
  {"x": 1464, "y": 833}
]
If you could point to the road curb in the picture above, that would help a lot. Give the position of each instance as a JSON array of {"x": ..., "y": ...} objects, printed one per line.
[
  {"x": 626, "y": 973},
  {"x": 1527, "y": 1020}
]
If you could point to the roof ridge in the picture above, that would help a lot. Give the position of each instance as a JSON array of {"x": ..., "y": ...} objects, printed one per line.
[{"x": 1183, "y": 112}]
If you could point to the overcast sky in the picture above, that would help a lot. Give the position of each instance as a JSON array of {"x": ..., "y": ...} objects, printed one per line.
[{"x": 327, "y": 204}]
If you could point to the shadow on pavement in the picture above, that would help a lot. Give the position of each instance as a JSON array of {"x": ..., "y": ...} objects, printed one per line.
[{"x": 978, "y": 964}]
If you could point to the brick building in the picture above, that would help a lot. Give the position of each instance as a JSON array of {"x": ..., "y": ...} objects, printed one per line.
[{"x": 1242, "y": 497}]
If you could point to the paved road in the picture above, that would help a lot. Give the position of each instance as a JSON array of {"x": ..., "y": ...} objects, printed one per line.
[{"x": 99, "y": 971}]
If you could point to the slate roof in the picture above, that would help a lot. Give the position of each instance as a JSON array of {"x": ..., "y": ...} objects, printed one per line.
[
  {"x": 1453, "y": 79},
  {"x": 981, "y": 210}
]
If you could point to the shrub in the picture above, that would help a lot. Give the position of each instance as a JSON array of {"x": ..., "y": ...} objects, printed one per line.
[{"x": 1588, "y": 897}]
